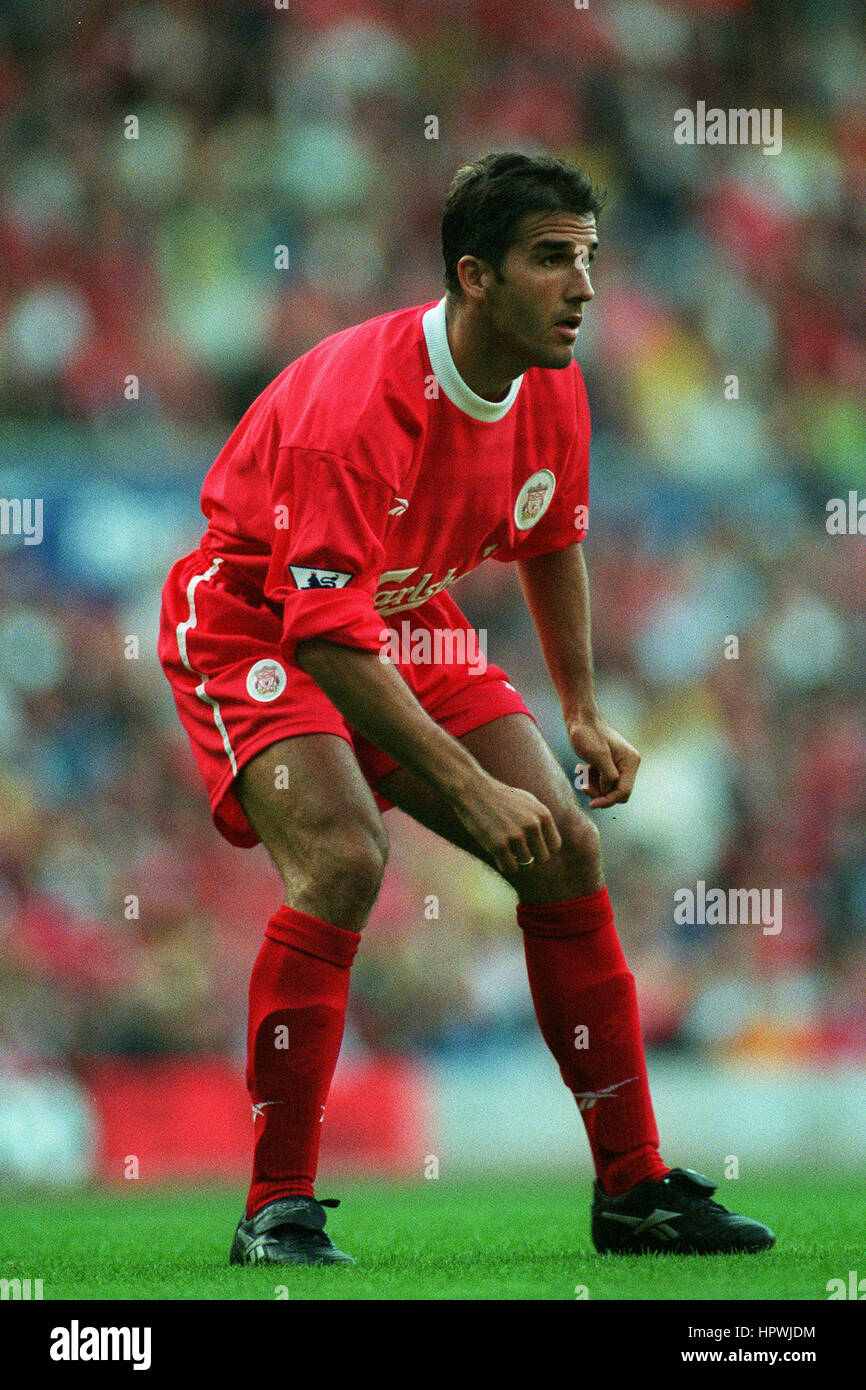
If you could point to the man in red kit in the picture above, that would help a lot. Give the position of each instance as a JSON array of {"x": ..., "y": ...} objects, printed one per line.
[{"x": 372, "y": 474}]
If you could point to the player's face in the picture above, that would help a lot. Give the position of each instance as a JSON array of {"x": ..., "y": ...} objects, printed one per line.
[{"x": 534, "y": 312}]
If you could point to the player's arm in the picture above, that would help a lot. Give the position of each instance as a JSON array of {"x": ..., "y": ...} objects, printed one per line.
[
  {"x": 510, "y": 824},
  {"x": 338, "y": 512},
  {"x": 556, "y": 590}
]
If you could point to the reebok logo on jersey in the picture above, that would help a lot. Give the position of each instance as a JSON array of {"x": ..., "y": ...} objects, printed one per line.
[
  {"x": 400, "y": 506},
  {"x": 319, "y": 579}
]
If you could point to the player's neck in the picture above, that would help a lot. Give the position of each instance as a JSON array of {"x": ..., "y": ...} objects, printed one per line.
[{"x": 475, "y": 357}]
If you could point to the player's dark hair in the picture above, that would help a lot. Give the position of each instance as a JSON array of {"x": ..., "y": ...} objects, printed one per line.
[{"x": 487, "y": 200}]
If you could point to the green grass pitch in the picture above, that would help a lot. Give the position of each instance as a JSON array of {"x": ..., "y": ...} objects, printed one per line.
[{"x": 518, "y": 1238}]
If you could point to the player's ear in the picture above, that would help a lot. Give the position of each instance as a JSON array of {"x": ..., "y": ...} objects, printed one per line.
[{"x": 475, "y": 276}]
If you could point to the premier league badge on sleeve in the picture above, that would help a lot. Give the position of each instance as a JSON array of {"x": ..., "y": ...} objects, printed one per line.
[
  {"x": 307, "y": 578},
  {"x": 534, "y": 498}
]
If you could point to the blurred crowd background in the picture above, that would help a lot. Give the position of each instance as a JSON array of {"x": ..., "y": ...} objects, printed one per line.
[{"x": 144, "y": 302}]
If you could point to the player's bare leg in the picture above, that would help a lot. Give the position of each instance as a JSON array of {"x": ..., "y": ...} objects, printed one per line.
[
  {"x": 583, "y": 991},
  {"x": 512, "y": 750},
  {"x": 586, "y": 1004},
  {"x": 308, "y": 801}
]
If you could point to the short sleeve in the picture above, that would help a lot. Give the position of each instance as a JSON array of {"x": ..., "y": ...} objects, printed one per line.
[
  {"x": 566, "y": 519},
  {"x": 329, "y": 517}
]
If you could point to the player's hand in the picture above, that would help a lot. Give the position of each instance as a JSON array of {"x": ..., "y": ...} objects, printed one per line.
[
  {"x": 511, "y": 825},
  {"x": 612, "y": 761}
]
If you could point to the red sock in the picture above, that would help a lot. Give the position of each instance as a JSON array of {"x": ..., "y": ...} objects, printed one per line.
[
  {"x": 580, "y": 980},
  {"x": 298, "y": 992}
]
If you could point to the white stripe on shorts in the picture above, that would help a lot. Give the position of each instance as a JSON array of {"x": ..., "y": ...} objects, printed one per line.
[{"x": 182, "y": 630}]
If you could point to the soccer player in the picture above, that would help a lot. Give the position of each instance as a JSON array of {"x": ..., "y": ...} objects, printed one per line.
[{"x": 371, "y": 475}]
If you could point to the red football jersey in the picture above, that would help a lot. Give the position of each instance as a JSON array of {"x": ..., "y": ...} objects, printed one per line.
[{"x": 368, "y": 478}]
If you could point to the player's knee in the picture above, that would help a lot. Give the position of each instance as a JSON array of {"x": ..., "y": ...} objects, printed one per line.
[
  {"x": 581, "y": 843},
  {"x": 360, "y": 861},
  {"x": 348, "y": 867}
]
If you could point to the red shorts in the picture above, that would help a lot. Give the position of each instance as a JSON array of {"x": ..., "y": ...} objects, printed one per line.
[{"x": 236, "y": 693}]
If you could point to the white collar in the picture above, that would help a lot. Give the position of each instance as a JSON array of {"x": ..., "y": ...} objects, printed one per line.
[{"x": 449, "y": 378}]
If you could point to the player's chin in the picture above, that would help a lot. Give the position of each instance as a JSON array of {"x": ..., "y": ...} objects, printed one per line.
[{"x": 556, "y": 356}]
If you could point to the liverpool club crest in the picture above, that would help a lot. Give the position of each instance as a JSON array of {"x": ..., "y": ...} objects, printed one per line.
[
  {"x": 266, "y": 681},
  {"x": 534, "y": 498}
]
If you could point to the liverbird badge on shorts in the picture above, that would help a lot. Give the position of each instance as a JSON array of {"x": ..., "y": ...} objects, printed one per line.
[{"x": 267, "y": 680}]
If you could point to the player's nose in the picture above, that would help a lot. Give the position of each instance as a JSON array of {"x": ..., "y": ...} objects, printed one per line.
[{"x": 581, "y": 283}]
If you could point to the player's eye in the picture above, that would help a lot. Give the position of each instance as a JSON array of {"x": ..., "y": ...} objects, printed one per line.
[{"x": 559, "y": 258}]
